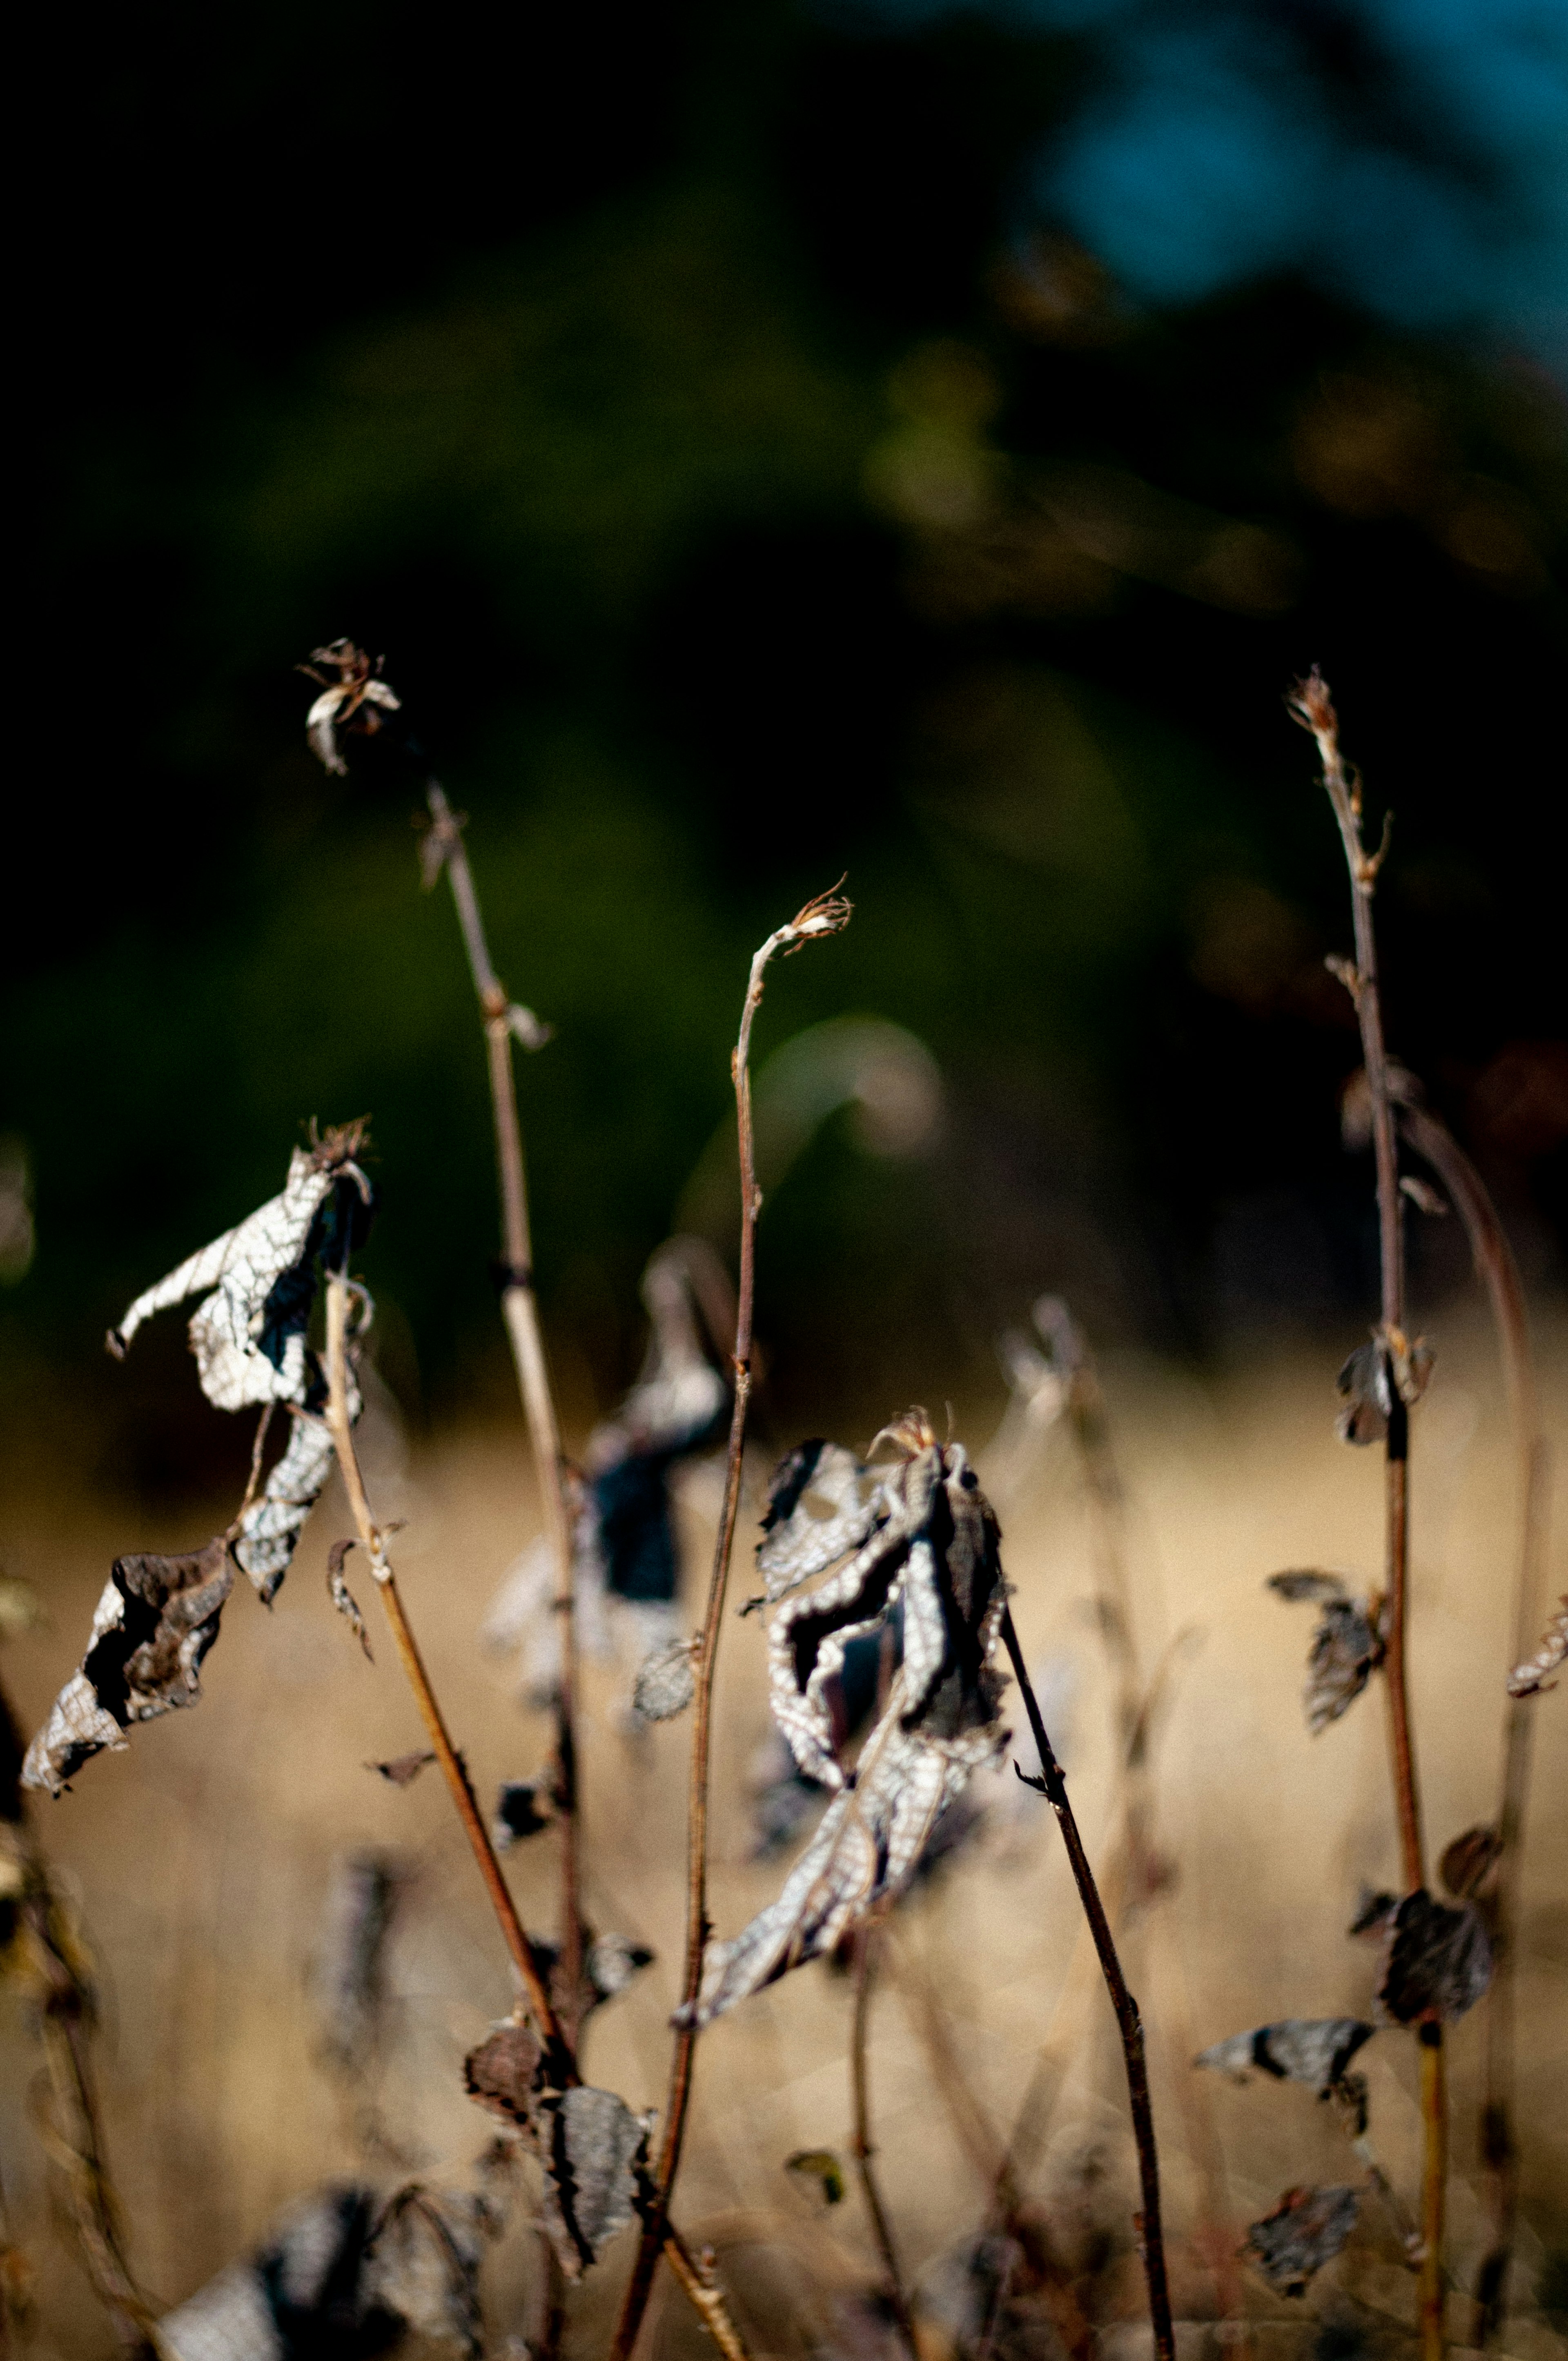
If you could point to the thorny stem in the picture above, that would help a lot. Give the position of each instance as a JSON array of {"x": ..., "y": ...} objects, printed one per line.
[
  {"x": 1052, "y": 1785},
  {"x": 826, "y": 915},
  {"x": 560, "y": 2064},
  {"x": 520, "y": 1311},
  {"x": 862, "y": 2146},
  {"x": 1499, "y": 1274},
  {"x": 1313, "y": 705}
]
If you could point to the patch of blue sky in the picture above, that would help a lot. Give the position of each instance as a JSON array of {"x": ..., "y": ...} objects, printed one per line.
[{"x": 1212, "y": 149}]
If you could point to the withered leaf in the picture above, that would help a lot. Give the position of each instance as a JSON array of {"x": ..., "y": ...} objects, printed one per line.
[
  {"x": 154, "y": 1623},
  {"x": 313, "y": 2286},
  {"x": 361, "y": 1906},
  {"x": 271, "y": 1526},
  {"x": 1468, "y": 1861},
  {"x": 821, "y": 1503},
  {"x": 248, "y": 1335},
  {"x": 1364, "y": 1385},
  {"x": 1314, "y": 2050},
  {"x": 342, "y": 1598},
  {"x": 1346, "y": 1649},
  {"x": 1373, "y": 1909},
  {"x": 1437, "y": 1961},
  {"x": 612, "y": 1960},
  {"x": 594, "y": 2151},
  {"x": 935, "y": 1551},
  {"x": 403, "y": 1769},
  {"x": 1422, "y": 1194},
  {"x": 1306, "y": 2230},
  {"x": 425, "y": 2251},
  {"x": 818, "y": 2170},
  {"x": 666, "y": 1683},
  {"x": 518, "y": 1812},
  {"x": 1532, "y": 1676},
  {"x": 499, "y": 2073}
]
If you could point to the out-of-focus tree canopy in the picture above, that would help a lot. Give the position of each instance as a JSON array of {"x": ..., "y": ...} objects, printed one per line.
[{"x": 751, "y": 472}]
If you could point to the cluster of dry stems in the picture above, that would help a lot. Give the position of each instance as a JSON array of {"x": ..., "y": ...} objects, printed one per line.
[{"x": 902, "y": 1547}]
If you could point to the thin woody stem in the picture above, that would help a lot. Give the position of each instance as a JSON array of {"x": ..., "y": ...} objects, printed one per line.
[
  {"x": 1499, "y": 1274},
  {"x": 1313, "y": 707},
  {"x": 525, "y": 1958},
  {"x": 560, "y": 2063},
  {"x": 862, "y": 2145},
  {"x": 824, "y": 916},
  {"x": 520, "y": 1313},
  {"x": 1053, "y": 1785}
]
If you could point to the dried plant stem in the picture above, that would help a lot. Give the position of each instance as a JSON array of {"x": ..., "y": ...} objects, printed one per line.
[
  {"x": 1313, "y": 708},
  {"x": 560, "y": 2062},
  {"x": 520, "y": 1311},
  {"x": 1499, "y": 1274},
  {"x": 862, "y": 2146},
  {"x": 1053, "y": 1785},
  {"x": 824, "y": 916}
]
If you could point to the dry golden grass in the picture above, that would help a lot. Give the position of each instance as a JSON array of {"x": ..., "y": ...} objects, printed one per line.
[{"x": 201, "y": 1859}]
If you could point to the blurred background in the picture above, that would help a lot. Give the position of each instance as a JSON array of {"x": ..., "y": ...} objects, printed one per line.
[
  {"x": 916, "y": 441},
  {"x": 766, "y": 442}
]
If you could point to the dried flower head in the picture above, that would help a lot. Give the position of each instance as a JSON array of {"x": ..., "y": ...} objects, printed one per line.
[{"x": 353, "y": 696}]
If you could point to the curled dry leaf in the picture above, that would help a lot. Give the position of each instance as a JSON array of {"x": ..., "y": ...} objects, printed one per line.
[
  {"x": 1306, "y": 2230},
  {"x": 1373, "y": 1909},
  {"x": 821, "y": 1504},
  {"x": 403, "y": 1769},
  {"x": 353, "y": 697},
  {"x": 342, "y": 1598},
  {"x": 500, "y": 2073},
  {"x": 271, "y": 1525},
  {"x": 154, "y": 1623},
  {"x": 248, "y": 1335},
  {"x": 1365, "y": 1387},
  {"x": 611, "y": 1963},
  {"x": 1347, "y": 1646},
  {"x": 425, "y": 2251},
  {"x": 1314, "y": 2050},
  {"x": 931, "y": 1545},
  {"x": 313, "y": 2286},
  {"x": 818, "y": 2170},
  {"x": 1437, "y": 1963},
  {"x": 667, "y": 1682},
  {"x": 1530, "y": 1678},
  {"x": 594, "y": 2151},
  {"x": 1468, "y": 1861}
]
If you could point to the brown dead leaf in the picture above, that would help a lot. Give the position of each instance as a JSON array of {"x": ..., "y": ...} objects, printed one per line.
[
  {"x": 1306, "y": 2230},
  {"x": 403, "y": 1769},
  {"x": 1467, "y": 1864},
  {"x": 342, "y": 1597},
  {"x": 154, "y": 1623},
  {"x": 500, "y": 2073},
  {"x": 1347, "y": 1646},
  {"x": 1437, "y": 1963}
]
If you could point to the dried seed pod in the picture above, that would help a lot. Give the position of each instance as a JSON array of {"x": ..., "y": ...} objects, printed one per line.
[
  {"x": 1306, "y": 2230},
  {"x": 154, "y": 1623}
]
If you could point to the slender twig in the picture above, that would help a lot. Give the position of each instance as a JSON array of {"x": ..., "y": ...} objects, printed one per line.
[
  {"x": 559, "y": 2062},
  {"x": 1313, "y": 705},
  {"x": 1052, "y": 1785},
  {"x": 826, "y": 915},
  {"x": 863, "y": 2148},
  {"x": 1499, "y": 1274},
  {"x": 73, "y": 2132},
  {"x": 505, "y": 1022}
]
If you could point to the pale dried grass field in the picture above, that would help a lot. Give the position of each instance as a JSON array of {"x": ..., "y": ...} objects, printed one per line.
[{"x": 203, "y": 1861}]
